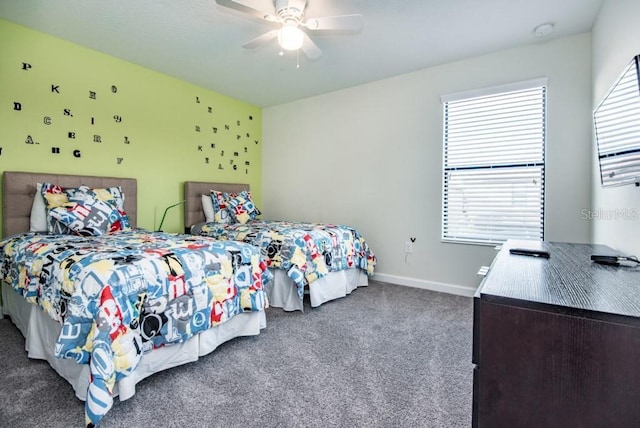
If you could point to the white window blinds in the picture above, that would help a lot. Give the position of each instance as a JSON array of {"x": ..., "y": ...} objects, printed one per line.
[
  {"x": 617, "y": 126},
  {"x": 494, "y": 165}
]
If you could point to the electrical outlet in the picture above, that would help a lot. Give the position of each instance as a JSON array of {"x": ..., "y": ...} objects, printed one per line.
[{"x": 408, "y": 247}]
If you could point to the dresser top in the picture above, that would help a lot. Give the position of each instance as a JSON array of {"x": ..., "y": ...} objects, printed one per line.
[{"x": 568, "y": 281}]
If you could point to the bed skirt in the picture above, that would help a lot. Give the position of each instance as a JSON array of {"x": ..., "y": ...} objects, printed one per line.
[
  {"x": 41, "y": 333},
  {"x": 283, "y": 294}
]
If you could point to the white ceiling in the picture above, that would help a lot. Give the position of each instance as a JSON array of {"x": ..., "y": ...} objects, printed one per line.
[{"x": 200, "y": 42}]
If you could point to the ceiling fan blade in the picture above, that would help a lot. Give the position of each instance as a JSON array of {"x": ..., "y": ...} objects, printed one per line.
[
  {"x": 310, "y": 49},
  {"x": 261, "y": 40},
  {"x": 339, "y": 22},
  {"x": 260, "y": 8}
]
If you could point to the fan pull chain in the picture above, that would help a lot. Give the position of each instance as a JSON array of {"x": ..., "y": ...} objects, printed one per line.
[{"x": 298, "y": 59}]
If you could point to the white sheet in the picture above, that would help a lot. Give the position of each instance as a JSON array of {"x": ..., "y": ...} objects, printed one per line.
[
  {"x": 41, "y": 332},
  {"x": 282, "y": 291}
]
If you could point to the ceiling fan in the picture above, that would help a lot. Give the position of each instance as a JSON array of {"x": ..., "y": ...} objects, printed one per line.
[{"x": 289, "y": 16}]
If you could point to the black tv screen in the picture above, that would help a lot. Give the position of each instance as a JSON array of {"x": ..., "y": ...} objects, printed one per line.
[{"x": 617, "y": 129}]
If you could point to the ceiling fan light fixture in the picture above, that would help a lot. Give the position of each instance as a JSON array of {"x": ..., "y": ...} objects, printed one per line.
[{"x": 290, "y": 37}]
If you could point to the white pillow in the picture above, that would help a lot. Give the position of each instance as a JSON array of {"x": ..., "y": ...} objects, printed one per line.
[
  {"x": 207, "y": 207},
  {"x": 38, "y": 219}
]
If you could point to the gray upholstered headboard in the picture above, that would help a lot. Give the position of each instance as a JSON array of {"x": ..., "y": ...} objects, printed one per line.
[
  {"x": 19, "y": 188},
  {"x": 193, "y": 191}
]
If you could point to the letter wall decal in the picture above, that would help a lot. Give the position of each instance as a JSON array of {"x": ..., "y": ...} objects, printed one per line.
[
  {"x": 80, "y": 114},
  {"x": 217, "y": 136}
]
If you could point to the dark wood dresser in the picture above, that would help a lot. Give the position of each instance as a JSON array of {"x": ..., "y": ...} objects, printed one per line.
[{"x": 556, "y": 342}]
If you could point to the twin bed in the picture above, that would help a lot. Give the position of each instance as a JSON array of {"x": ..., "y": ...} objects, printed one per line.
[
  {"x": 121, "y": 300},
  {"x": 328, "y": 260},
  {"x": 107, "y": 311}
]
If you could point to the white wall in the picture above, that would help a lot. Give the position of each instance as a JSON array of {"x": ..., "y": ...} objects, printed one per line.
[
  {"x": 616, "y": 39},
  {"x": 371, "y": 156}
]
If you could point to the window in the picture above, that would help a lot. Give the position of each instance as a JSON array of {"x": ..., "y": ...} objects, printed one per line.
[{"x": 493, "y": 164}]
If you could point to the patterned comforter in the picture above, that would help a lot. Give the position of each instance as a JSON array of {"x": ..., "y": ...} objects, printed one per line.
[
  {"x": 118, "y": 296},
  {"x": 306, "y": 251}
]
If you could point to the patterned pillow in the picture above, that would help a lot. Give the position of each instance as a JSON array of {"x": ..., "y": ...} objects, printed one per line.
[
  {"x": 220, "y": 207},
  {"x": 112, "y": 195},
  {"x": 56, "y": 195},
  {"x": 242, "y": 208},
  {"x": 84, "y": 211}
]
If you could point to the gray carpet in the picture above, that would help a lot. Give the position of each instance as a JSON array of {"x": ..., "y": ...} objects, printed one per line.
[{"x": 385, "y": 356}]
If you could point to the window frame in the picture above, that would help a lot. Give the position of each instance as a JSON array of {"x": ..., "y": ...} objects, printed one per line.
[{"x": 446, "y": 236}]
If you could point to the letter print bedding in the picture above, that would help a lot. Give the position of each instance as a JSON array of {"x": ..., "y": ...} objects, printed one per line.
[
  {"x": 306, "y": 251},
  {"x": 118, "y": 296}
]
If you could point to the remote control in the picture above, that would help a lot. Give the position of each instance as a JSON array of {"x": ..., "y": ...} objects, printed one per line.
[
  {"x": 605, "y": 260},
  {"x": 529, "y": 252}
]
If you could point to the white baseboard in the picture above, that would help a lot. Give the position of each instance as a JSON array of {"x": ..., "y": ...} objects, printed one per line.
[{"x": 427, "y": 285}]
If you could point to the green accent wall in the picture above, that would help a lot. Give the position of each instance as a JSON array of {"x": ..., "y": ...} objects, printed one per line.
[{"x": 68, "y": 109}]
